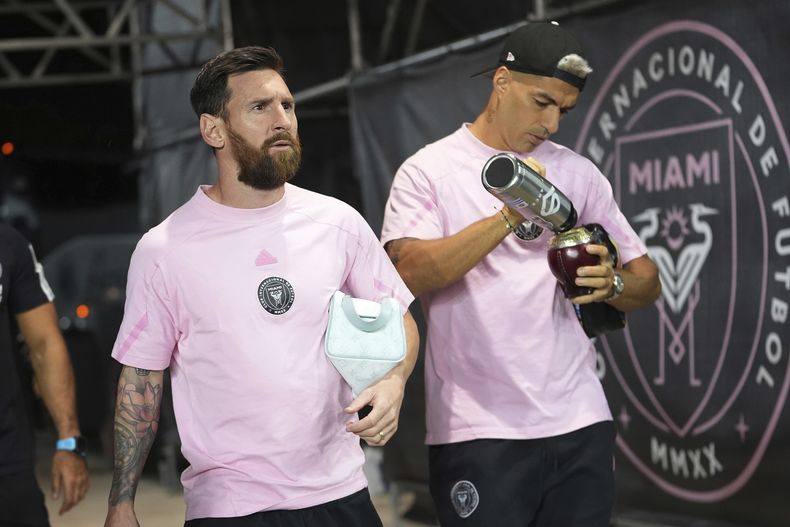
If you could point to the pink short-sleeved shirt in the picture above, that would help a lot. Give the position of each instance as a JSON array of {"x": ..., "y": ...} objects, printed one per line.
[
  {"x": 235, "y": 302},
  {"x": 505, "y": 355}
]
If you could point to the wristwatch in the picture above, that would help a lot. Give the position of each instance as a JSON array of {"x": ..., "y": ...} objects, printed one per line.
[
  {"x": 618, "y": 286},
  {"x": 74, "y": 444}
]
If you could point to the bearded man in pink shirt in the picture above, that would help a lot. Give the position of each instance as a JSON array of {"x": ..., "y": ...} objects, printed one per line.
[
  {"x": 519, "y": 430},
  {"x": 231, "y": 292}
]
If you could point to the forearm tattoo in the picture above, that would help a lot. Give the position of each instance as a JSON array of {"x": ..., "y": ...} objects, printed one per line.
[
  {"x": 136, "y": 422},
  {"x": 393, "y": 250}
]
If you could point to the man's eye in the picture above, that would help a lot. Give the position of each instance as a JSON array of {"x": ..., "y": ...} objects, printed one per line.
[{"x": 541, "y": 104}]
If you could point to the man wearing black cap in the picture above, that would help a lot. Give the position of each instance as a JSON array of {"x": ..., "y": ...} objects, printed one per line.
[{"x": 519, "y": 429}]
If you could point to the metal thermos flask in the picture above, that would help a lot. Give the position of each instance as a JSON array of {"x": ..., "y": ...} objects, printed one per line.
[{"x": 526, "y": 192}]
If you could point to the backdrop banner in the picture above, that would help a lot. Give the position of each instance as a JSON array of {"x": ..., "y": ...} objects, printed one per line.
[
  {"x": 685, "y": 114},
  {"x": 175, "y": 159}
]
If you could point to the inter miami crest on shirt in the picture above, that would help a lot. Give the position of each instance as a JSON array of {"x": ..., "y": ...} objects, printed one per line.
[
  {"x": 528, "y": 231},
  {"x": 276, "y": 295}
]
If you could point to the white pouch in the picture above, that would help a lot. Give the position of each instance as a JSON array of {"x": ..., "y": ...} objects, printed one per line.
[{"x": 364, "y": 339}]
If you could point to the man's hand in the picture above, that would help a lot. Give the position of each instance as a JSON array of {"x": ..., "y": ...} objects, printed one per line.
[
  {"x": 386, "y": 397},
  {"x": 535, "y": 165},
  {"x": 121, "y": 515},
  {"x": 598, "y": 277},
  {"x": 70, "y": 478},
  {"x": 514, "y": 218}
]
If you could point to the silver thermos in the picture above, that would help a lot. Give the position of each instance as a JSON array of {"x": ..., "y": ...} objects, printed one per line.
[{"x": 526, "y": 192}]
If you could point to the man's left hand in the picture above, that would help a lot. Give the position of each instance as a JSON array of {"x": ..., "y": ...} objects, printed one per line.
[
  {"x": 386, "y": 397},
  {"x": 70, "y": 478},
  {"x": 600, "y": 278}
]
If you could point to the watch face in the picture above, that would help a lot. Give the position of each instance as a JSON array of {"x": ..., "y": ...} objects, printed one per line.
[
  {"x": 618, "y": 284},
  {"x": 72, "y": 444}
]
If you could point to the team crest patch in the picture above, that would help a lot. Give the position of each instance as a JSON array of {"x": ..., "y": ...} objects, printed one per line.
[
  {"x": 464, "y": 498},
  {"x": 528, "y": 231},
  {"x": 276, "y": 295}
]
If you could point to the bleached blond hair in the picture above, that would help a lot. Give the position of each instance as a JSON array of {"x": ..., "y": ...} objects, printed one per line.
[{"x": 575, "y": 65}]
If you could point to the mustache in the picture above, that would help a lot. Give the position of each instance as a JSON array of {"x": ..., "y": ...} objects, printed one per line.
[
  {"x": 281, "y": 136},
  {"x": 542, "y": 133}
]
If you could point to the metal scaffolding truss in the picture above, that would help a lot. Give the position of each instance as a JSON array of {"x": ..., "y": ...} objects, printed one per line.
[
  {"x": 535, "y": 10},
  {"x": 90, "y": 41}
]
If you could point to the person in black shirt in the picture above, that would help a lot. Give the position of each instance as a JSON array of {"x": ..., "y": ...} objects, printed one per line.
[{"x": 25, "y": 294}]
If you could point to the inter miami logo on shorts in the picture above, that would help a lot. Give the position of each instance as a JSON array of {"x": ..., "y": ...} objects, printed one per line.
[
  {"x": 464, "y": 498},
  {"x": 276, "y": 295}
]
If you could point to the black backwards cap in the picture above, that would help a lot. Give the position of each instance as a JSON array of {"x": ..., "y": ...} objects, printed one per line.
[{"x": 537, "y": 48}]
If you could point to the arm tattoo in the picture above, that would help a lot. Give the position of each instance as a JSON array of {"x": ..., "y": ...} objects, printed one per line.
[
  {"x": 393, "y": 248},
  {"x": 136, "y": 421}
]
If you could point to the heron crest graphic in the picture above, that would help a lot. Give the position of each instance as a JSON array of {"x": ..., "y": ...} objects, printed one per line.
[{"x": 678, "y": 276}]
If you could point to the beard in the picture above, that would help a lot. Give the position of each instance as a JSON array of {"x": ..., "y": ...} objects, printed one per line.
[{"x": 261, "y": 170}]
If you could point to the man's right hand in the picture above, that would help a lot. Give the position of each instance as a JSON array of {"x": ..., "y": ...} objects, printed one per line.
[
  {"x": 513, "y": 217},
  {"x": 536, "y": 165},
  {"x": 121, "y": 515}
]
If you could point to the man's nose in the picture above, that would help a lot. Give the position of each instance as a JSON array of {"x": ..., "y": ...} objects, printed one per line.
[
  {"x": 551, "y": 121},
  {"x": 283, "y": 120}
]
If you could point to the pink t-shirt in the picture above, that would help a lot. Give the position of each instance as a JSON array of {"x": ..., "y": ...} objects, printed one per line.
[
  {"x": 506, "y": 356},
  {"x": 235, "y": 302}
]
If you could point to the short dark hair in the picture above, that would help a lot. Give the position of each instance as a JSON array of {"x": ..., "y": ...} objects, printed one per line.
[{"x": 210, "y": 92}]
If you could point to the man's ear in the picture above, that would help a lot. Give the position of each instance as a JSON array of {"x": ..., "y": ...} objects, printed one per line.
[
  {"x": 212, "y": 130},
  {"x": 502, "y": 78}
]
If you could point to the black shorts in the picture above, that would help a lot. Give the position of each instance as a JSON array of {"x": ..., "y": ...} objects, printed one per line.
[
  {"x": 21, "y": 501},
  {"x": 560, "y": 481},
  {"x": 355, "y": 510}
]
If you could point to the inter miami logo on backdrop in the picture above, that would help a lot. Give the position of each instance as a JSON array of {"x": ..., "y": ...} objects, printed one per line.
[
  {"x": 276, "y": 295},
  {"x": 686, "y": 131}
]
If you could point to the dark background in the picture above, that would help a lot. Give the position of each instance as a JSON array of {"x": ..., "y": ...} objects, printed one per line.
[
  {"x": 75, "y": 164},
  {"x": 73, "y": 158}
]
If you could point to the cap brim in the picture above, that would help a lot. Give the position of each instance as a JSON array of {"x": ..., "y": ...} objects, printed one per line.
[{"x": 488, "y": 72}]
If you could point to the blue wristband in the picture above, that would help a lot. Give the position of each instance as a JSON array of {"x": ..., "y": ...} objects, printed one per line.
[{"x": 74, "y": 444}]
